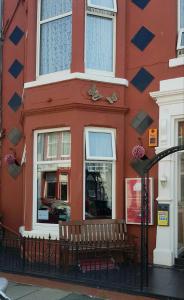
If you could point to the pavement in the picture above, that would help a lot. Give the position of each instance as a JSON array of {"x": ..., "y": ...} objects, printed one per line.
[{"x": 32, "y": 288}]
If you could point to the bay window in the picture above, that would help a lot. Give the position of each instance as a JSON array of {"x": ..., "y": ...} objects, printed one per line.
[
  {"x": 180, "y": 43},
  {"x": 100, "y": 36},
  {"x": 52, "y": 164},
  {"x": 55, "y": 36},
  {"x": 99, "y": 173}
]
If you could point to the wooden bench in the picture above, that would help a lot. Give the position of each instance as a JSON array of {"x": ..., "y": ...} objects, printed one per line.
[{"x": 95, "y": 240}]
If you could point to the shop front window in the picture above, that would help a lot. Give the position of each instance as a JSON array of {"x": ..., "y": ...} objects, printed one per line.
[
  {"x": 52, "y": 168},
  {"x": 99, "y": 173}
]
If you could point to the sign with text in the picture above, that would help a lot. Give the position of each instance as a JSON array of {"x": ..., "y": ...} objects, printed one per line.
[
  {"x": 133, "y": 200},
  {"x": 163, "y": 215}
]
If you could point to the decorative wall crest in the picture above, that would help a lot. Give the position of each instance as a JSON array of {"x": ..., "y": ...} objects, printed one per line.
[{"x": 95, "y": 95}]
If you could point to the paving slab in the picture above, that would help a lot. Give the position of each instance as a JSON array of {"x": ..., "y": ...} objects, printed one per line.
[
  {"x": 29, "y": 292},
  {"x": 80, "y": 297},
  {"x": 17, "y": 291}
]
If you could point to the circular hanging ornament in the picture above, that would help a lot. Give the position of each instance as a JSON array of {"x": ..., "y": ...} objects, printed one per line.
[{"x": 138, "y": 151}]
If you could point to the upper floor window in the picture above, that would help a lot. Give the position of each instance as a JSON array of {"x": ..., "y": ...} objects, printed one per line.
[
  {"x": 55, "y": 35},
  {"x": 100, "y": 35},
  {"x": 180, "y": 44}
]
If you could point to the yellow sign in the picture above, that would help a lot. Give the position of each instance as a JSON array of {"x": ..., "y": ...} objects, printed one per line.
[{"x": 163, "y": 218}]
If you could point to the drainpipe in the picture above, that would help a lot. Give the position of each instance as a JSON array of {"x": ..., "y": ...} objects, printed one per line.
[{"x": 1, "y": 76}]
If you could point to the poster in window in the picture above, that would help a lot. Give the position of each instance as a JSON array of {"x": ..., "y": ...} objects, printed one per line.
[{"x": 133, "y": 200}]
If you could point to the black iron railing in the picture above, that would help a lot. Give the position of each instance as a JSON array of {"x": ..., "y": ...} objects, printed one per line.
[{"x": 93, "y": 265}]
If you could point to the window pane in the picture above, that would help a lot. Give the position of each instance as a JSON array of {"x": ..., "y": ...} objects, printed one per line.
[
  {"x": 99, "y": 43},
  {"x": 98, "y": 190},
  {"x": 103, "y": 3},
  {"x": 52, "y": 8},
  {"x": 181, "y": 133},
  {"x": 50, "y": 146},
  {"x": 51, "y": 209},
  {"x": 100, "y": 144},
  {"x": 55, "y": 45},
  {"x": 182, "y": 39},
  {"x": 66, "y": 143},
  {"x": 181, "y": 13}
]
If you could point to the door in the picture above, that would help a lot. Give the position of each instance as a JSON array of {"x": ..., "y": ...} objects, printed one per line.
[{"x": 181, "y": 190}]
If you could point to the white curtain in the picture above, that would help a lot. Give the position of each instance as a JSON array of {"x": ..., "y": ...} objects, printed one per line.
[
  {"x": 100, "y": 144},
  {"x": 52, "y": 8},
  {"x": 55, "y": 45},
  {"x": 103, "y": 3},
  {"x": 66, "y": 143},
  {"x": 52, "y": 145},
  {"x": 182, "y": 16},
  {"x": 99, "y": 43}
]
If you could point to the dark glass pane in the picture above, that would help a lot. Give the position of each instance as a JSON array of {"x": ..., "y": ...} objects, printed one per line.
[{"x": 98, "y": 190}]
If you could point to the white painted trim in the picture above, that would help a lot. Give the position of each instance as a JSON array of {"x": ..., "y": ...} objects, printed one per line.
[
  {"x": 41, "y": 230},
  {"x": 103, "y": 7},
  {"x": 176, "y": 62},
  {"x": 101, "y": 130},
  {"x": 60, "y": 77},
  {"x": 170, "y": 99}
]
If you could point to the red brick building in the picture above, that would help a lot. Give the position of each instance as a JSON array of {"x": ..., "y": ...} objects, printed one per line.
[{"x": 79, "y": 82}]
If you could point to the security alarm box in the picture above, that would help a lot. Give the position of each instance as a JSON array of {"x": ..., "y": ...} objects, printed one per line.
[{"x": 153, "y": 137}]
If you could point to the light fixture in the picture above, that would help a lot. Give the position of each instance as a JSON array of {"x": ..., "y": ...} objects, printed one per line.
[{"x": 163, "y": 180}]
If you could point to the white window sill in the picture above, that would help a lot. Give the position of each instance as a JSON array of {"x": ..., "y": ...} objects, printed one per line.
[
  {"x": 59, "y": 77},
  {"x": 176, "y": 62},
  {"x": 41, "y": 230}
]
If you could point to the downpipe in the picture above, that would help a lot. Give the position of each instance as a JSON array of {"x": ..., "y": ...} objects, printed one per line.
[{"x": 3, "y": 287}]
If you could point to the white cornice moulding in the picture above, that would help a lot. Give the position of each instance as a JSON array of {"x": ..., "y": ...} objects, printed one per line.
[
  {"x": 164, "y": 199},
  {"x": 171, "y": 91},
  {"x": 59, "y": 77}
]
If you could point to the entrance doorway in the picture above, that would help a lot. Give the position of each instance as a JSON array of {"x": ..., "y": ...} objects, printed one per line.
[{"x": 181, "y": 191}]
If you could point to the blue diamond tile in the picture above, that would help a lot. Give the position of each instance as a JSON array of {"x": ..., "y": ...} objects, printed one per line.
[
  {"x": 16, "y": 68},
  {"x": 142, "y": 79},
  {"x": 142, "y": 38},
  {"x": 141, "y": 122},
  {"x": 16, "y": 35},
  {"x": 14, "y": 170},
  {"x": 139, "y": 164},
  {"x": 141, "y": 3},
  {"x": 14, "y": 136},
  {"x": 15, "y": 102}
]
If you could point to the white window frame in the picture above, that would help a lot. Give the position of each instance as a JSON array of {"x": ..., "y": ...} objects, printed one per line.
[
  {"x": 103, "y": 15},
  {"x": 43, "y": 229},
  {"x": 39, "y": 23},
  {"x": 113, "y": 161},
  {"x": 103, "y": 8},
  {"x": 101, "y": 130},
  {"x": 180, "y": 29}
]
